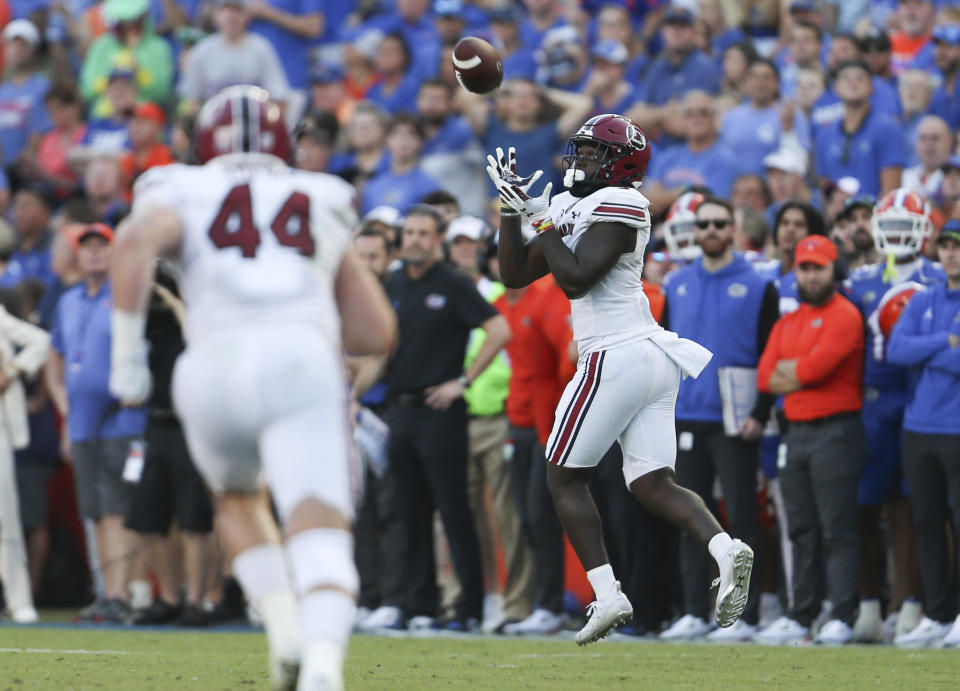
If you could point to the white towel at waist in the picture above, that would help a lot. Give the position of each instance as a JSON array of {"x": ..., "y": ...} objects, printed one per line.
[{"x": 689, "y": 355}]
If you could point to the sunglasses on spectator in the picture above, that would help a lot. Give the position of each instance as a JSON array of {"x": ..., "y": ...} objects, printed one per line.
[{"x": 718, "y": 223}]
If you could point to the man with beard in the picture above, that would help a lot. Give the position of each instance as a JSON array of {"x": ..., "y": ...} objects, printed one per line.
[
  {"x": 725, "y": 285},
  {"x": 900, "y": 228},
  {"x": 814, "y": 357},
  {"x": 852, "y": 232},
  {"x": 946, "y": 55},
  {"x": 437, "y": 307}
]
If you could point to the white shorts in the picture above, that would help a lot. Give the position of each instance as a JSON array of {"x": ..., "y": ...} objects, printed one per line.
[
  {"x": 624, "y": 394},
  {"x": 272, "y": 400}
]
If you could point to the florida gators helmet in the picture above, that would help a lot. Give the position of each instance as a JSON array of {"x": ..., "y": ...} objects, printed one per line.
[
  {"x": 607, "y": 151},
  {"x": 901, "y": 223},
  {"x": 678, "y": 228},
  {"x": 241, "y": 119},
  {"x": 892, "y": 305}
]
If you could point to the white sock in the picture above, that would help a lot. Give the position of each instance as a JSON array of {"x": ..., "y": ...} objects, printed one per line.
[
  {"x": 262, "y": 572},
  {"x": 718, "y": 545},
  {"x": 327, "y": 615},
  {"x": 602, "y": 580}
]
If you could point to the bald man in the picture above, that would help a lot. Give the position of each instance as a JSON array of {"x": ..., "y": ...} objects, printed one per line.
[{"x": 934, "y": 143}]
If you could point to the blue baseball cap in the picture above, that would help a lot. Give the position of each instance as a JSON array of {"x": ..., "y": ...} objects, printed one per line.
[
  {"x": 802, "y": 6},
  {"x": 325, "y": 73},
  {"x": 506, "y": 14},
  {"x": 677, "y": 14},
  {"x": 448, "y": 8},
  {"x": 947, "y": 33},
  {"x": 952, "y": 163},
  {"x": 950, "y": 231},
  {"x": 611, "y": 51}
]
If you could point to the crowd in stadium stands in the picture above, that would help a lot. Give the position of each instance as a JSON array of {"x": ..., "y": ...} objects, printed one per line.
[{"x": 813, "y": 119}]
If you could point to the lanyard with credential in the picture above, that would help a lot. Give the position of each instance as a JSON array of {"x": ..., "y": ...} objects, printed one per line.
[{"x": 88, "y": 308}]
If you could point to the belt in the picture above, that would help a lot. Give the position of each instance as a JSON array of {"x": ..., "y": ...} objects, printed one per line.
[
  {"x": 409, "y": 400},
  {"x": 816, "y": 422}
]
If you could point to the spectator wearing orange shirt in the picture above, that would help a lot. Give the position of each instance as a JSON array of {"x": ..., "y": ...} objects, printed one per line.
[
  {"x": 66, "y": 114},
  {"x": 146, "y": 132},
  {"x": 814, "y": 356},
  {"x": 530, "y": 356}
]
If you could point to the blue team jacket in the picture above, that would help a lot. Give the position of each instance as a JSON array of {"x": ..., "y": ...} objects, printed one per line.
[
  {"x": 720, "y": 311},
  {"x": 920, "y": 339}
]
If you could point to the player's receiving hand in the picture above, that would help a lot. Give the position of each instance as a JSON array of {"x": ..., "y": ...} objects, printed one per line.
[
  {"x": 514, "y": 189},
  {"x": 751, "y": 430},
  {"x": 441, "y": 396}
]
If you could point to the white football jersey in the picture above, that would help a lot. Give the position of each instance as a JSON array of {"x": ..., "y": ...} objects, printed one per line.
[
  {"x": 615, "y": 310},
  {"x": 262, "y": 242}
]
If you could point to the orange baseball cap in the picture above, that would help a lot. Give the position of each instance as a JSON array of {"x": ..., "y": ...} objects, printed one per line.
[
  {"x": 99, "y": 229},
  {"x": 150, "y": 111},
  {"x": 815, "y": 249}
]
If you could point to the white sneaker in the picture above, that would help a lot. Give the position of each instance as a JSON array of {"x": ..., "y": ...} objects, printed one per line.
[
  {"x": 869, "y": 627},
  {"x": 952, "y": 639},
  {"x": 911, "y": 613},
  {"x": 826, "y": 609},
  {"x": 686, "y": 628},
  {"x": 740, "y": 632},
  {"x": 358, "y": 617},
  {"x": 784, "y": 631},
  {"x": 734, "y": 581},
  {"x": 421, "y": 623},
  {"x": 382, "y": 617},
  {"x": 541, "y": 622},
  {"x": 24, "y": 615},
  {"x": 834, "y": 632},
  {"x": 603, "y": 616},
  {"x": 927, "y": 634},
  {"x": 322, "y": 668},
  {"x": 493, "y": 615}
]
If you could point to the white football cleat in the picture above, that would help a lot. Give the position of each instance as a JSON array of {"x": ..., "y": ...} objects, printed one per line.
[
  {"x": 869, "y": 626},
  {"x": 784, "y": 631},
  {"x": 603, "y": 616},
  {"x": 911, "y": 613},
  {"x": 383, "y": 617},
  {"x": 686, "y": 628},
  {"x": 927, "y": 634},
  {"x": 542, "y": 622},
  {"x": 834, "y": 632},
  {"x": 493, "y": 616},
  {"x": 734, "y": 581},
  {"x": 740, "y": 632},
  {"x": 24, "y": 615},
  {"x": 322, "y": 668}
]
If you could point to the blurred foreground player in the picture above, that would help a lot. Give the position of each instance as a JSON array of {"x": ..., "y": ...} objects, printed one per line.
[
  {"x": 266, "y": 276},
  {"x": 591, "y": 238}
]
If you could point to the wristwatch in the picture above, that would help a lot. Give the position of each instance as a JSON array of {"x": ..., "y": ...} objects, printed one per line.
[{"x": 464, "y": 381}]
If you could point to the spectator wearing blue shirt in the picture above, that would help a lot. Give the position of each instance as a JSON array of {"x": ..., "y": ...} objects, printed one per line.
[
  {"x": 106, "y": 136},
  {"x": 516, "y": 56},
  {"x": 946, "y": 54},
  {"x": 915, "y": 91},
  {"x": 759, "y": 127},
  {"x": 701, "y": 160},
  {"x": 562, "y": 60},
  {"x": 411, "y": 21},
  {"x": 366, "y": 142},
  {"x": 291, "y": 26},
  {"x": 877, "y": 52},
  {"x": 31, "y": 218},
  {"x": 864, "y": 144},
  {"x": 397, "y": 89},
  {"x": 451, "y": 153},
  {"x": 679, "y": 68},
  {"x": 23, "y": 114},
  {"x": 533, "y": 120},
  {"x": 927, "y": 338},
  {"x": 802, "y": 52},
  {"x": 405, "y": 184},
  {"x": 99, "y": 430},
  {"x": 542, "y": 15}
]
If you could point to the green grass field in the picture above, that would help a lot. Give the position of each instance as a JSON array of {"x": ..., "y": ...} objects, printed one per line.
[{"x": 66, "y": 659}]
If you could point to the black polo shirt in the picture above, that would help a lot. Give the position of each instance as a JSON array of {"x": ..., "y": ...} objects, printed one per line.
[{"x": 435, "y": 314}]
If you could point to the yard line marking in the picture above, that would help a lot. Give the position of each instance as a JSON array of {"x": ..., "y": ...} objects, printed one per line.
[{"x": 65, "y": 652}]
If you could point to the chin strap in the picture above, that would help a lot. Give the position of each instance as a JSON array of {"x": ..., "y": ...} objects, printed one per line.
[{"x": 890, "y": 270}]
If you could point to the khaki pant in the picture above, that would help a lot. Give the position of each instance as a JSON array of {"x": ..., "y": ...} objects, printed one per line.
[
  {"x": 13, "y": 551},
  {"x": 495, "y": 516}
]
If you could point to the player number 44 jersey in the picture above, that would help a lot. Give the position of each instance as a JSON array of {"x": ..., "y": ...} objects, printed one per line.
[
  {"x": 261, "y": 241},
  {"x": 614, "y": 311}
]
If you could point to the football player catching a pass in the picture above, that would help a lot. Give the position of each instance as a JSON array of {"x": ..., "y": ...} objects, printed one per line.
[
  {"x": 274, "y": 294},
  {"x": 591, "y": 238}
]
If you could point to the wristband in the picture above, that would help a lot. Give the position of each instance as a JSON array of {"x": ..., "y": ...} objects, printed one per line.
[
  {"x": 544, "y": 227},
  {"x": 126, "y": 337},
  {"x": 464, "y": 381}
]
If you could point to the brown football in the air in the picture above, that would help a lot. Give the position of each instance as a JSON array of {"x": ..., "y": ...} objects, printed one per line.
[{"x": 477, "y": 65}]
